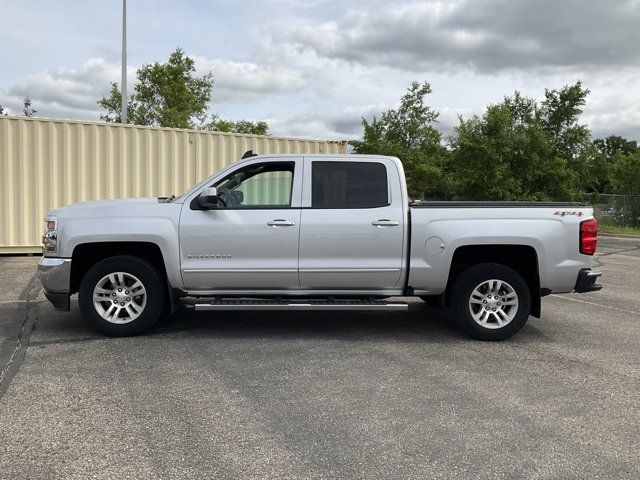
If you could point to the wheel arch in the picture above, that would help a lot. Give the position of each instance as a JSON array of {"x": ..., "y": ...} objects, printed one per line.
[
  {"x": 86, "y": 255},
  {"x": 521, "y": 258}
]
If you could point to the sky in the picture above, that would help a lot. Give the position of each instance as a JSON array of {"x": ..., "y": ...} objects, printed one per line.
[{"x": 315, "y": 68}]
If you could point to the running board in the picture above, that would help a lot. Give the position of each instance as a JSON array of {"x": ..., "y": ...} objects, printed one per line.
[{"x": 316, "y": 305}]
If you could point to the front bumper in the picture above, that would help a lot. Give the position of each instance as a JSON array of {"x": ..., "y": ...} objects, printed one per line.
[
  {"x": 587, "y": 279},
  {"x": 55, "y": 277}
]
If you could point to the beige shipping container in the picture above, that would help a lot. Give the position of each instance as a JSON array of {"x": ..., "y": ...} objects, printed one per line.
[{"x": 46, "y": 163}]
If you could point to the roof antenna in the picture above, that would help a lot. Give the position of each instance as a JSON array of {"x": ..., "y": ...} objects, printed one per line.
[{"x": 248, "y": 153}]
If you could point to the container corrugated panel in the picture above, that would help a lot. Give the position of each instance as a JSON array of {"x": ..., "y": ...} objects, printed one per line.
[{"x": 45, "y": 164}]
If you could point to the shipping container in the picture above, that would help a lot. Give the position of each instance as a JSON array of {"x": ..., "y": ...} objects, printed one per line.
[{"x": 47, "y": 163}]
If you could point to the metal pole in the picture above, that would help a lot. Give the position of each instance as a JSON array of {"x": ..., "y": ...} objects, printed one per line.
[{"x": 123, "y": 106}]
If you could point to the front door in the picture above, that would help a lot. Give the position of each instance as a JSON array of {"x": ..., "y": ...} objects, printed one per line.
[
  {"x": 250, "y": 242},
  {"x": 352, "y": 225}
]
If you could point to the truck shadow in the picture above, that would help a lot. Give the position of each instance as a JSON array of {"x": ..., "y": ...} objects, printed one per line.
[
  {"x": 418, "y": 323},
  {"x": 421, "y": 323}
]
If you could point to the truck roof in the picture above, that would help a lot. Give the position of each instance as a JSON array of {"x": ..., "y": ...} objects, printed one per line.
[{"x": 327, "y": 156}]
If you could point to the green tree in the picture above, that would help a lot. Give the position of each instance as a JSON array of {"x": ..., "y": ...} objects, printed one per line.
[
  {"x": 171, "y": 95},
  {"x": 2, "y": 112},
  {"x": 218, "y": 124},
  {"x": 561, "y": 110},
  {"x": 625, "y": 180},
  {"x": 615, "y": 144},
  {"x": 27, "y": 108},
  {"x": 625, "y": 176},
  {"x": 166, "y": 95},
  {"x": 522, "y": 150},
  {"x": 602, "y": 160},
  {"x": 408, "y": 133}
]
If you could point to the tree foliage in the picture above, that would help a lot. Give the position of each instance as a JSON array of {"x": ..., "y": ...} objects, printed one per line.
[
  {"x": 625, "y": 176},
  {"x": 218, "y": 124},
  {"x": 521, "y": 149},
  {"x": 518, "y": 149},
  {"x": 408, "y": 133},
  {"x": 166, "y": 94},
  {"x": 27, "y": 108},
  {"x": 171, "y": 95}
]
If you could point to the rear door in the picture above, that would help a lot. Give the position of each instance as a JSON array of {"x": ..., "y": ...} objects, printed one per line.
[{"x": 351, "y": 233}]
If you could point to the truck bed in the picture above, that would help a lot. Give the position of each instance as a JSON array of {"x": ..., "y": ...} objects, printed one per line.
[{"x": 549, "y": 230}]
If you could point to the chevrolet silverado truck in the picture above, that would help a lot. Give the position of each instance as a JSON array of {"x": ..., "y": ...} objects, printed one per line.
[{"x": 314, "y": 232}]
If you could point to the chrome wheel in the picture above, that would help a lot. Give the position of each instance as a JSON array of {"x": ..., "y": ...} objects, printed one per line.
[
  {"x": 119, "y": 297},
  {"x": 493, "y": 304}
]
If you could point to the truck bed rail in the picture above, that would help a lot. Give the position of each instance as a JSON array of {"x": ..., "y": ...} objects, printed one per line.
[{"x": 493, "y": 204}]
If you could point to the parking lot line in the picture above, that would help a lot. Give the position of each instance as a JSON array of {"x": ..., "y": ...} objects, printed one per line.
[{"x": 564, "y": 297}]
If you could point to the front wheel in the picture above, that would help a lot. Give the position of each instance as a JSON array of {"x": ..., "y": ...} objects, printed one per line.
[
  {"x": 491, "y": 301},
  {"x": 122, "y": 295}
]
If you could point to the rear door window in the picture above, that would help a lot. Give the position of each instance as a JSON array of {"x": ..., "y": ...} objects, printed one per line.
[{"x": 349, "y": 185}]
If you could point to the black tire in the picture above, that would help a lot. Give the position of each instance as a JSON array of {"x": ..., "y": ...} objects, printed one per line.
[
  {"x": 146, "y": 273},
  {"x": 474, "y": 276}
]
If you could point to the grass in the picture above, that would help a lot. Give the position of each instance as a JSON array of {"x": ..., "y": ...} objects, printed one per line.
[{"x": 619, "y": 230}]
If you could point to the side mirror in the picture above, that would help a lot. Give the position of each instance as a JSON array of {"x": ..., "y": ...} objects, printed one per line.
[{"x": 208, "y": 198}]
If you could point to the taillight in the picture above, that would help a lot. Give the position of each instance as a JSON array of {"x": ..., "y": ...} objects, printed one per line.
[{"x": 588, "y": 236}]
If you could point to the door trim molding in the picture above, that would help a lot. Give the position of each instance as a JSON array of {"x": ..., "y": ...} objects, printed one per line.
[
  {"x": 348, "y": 270},
  {"x": 294, "y": 292},
  {"x": 239, "y": 270}
]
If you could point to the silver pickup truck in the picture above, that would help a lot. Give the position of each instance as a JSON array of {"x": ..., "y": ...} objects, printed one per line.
[{"x": 314, "y": 232}]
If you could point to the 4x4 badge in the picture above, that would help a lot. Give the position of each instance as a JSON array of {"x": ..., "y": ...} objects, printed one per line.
[{"x": 575, "y": 213}]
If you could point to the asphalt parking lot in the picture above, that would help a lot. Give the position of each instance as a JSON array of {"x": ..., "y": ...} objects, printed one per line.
[{"x": 291, "y": 395}]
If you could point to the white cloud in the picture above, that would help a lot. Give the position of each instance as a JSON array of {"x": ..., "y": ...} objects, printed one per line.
[
  {"x": 236, "y": 81},
  {"x": 63, "y": 92},
  {"x": 73, "y": 93}
]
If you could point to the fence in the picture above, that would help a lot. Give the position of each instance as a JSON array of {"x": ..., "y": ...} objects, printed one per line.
[
  {"x": 45, "y": 164},
  {"x": 615, "y": 210}
]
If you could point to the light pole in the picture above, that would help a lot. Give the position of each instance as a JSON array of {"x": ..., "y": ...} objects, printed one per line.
[{"x": 123, "y": 106}]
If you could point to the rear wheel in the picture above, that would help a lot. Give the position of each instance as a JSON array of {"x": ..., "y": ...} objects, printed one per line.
[
  {"x": 122, "y": 295},
  {"x": 491, "y": 301}
]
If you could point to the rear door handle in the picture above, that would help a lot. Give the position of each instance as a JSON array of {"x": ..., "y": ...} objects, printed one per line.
[
  {"x": 384, "y": 222},
  {"x": 279, "y": 222}
]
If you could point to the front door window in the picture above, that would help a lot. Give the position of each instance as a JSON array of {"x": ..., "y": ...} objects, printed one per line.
[{"x": 258, "y": 186}]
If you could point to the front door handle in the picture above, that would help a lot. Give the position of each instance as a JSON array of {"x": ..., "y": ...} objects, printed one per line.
[
  {"x": 384, "y": 222},
  {"x": 279, "y": 222}
]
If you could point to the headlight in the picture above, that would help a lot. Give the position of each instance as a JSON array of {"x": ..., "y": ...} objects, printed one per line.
[{"x": 50, "y": 236}]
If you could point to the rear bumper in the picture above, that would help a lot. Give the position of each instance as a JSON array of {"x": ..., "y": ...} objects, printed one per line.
[
  {"x": 587, "y": 280},
  {"x": 55, "y": 277}
]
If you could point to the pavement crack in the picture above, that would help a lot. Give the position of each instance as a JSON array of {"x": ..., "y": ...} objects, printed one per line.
[{"x": 22, "y": 342}]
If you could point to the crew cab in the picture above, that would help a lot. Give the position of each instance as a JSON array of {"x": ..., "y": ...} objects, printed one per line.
[{"x": 314, "y": 232}]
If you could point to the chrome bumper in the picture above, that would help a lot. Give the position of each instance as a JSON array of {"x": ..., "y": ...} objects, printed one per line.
[
  {"x": 55, "y": 277},
  {"x": 55, "y": 274}
]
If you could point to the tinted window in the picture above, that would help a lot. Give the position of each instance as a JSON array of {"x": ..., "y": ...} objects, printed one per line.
[
  {"x": 348, "y": 185},
  {"x": 256, "y": 186}
]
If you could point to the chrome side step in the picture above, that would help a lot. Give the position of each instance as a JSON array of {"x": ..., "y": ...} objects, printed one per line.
[{"x": 316, "y": 305}]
